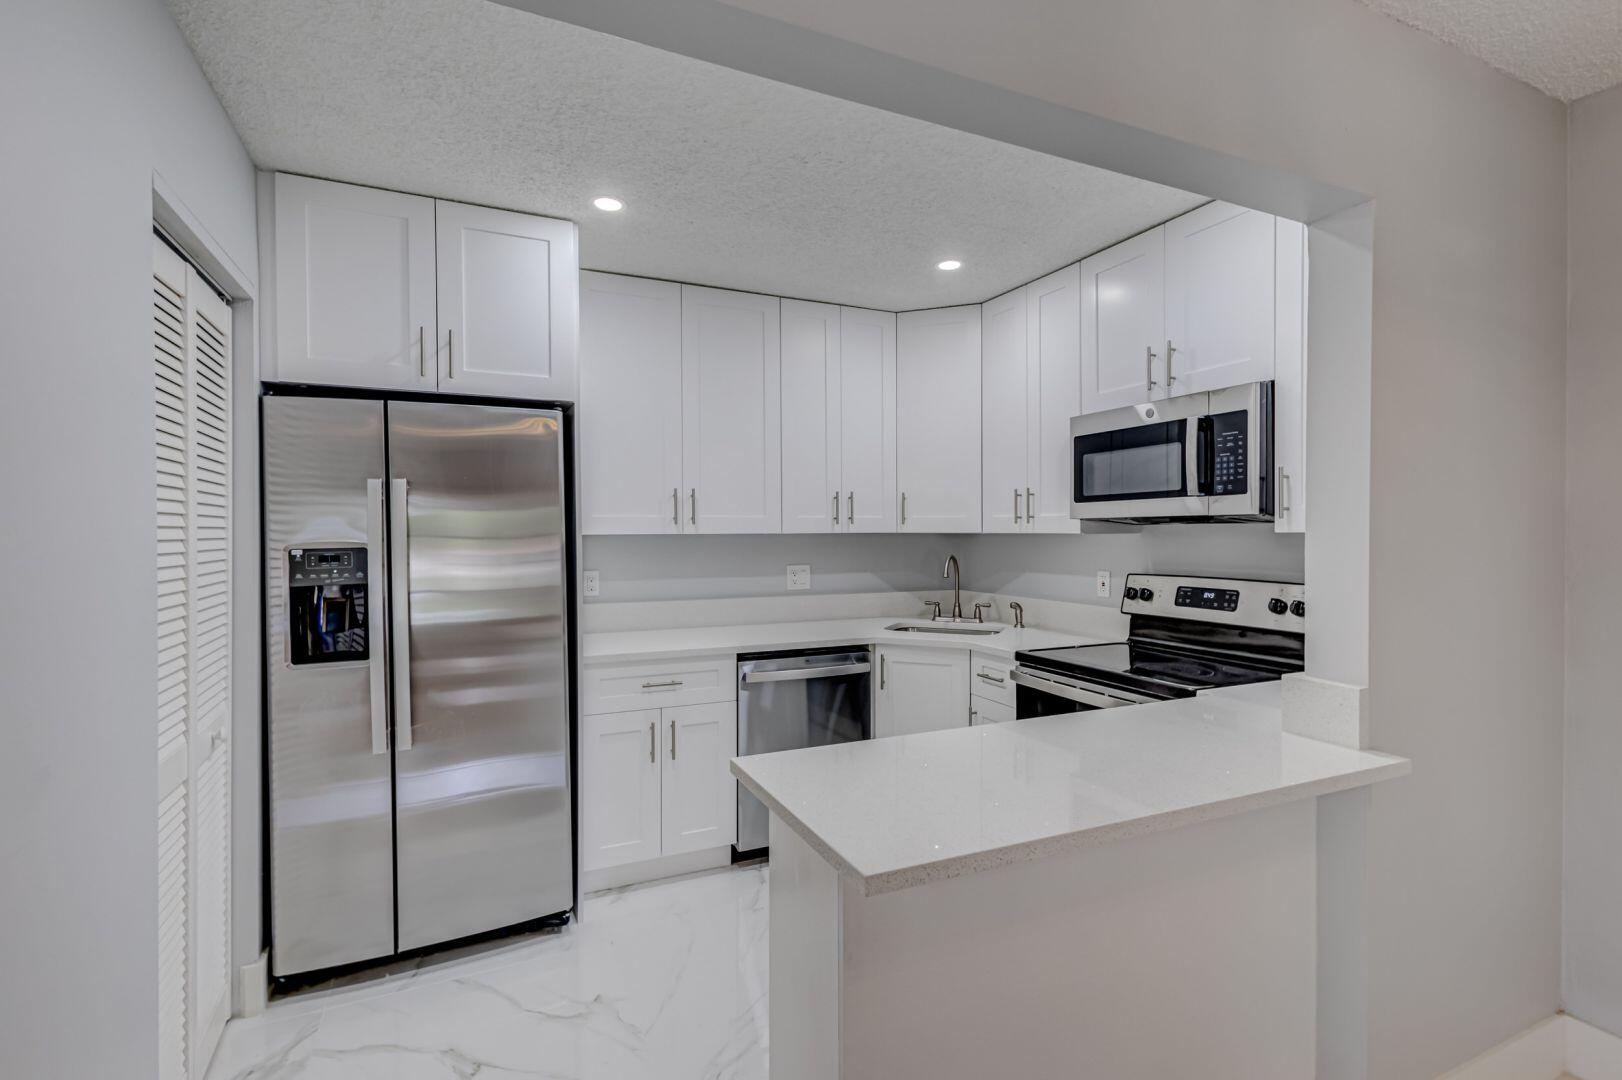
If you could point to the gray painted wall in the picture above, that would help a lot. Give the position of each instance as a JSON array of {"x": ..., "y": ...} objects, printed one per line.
[
  {"x": 1466, "y": 517},
  {"x": 101, "y": 95},
  {"x": 1593, "y": 866},
  {"x": 1046, "y": 567}
]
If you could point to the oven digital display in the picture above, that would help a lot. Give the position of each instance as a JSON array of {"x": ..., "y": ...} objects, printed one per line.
[{"x": 1210, "y": 599}]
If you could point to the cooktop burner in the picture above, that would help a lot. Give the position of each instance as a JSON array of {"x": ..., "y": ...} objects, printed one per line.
[{"x": 1151, "y": 668}]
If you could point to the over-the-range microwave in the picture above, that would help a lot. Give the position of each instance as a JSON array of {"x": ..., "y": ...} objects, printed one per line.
[{"x": 1199, "y": 457}]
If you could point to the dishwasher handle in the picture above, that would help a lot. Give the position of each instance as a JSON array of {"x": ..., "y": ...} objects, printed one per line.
[{"x": 827, "y": 671}]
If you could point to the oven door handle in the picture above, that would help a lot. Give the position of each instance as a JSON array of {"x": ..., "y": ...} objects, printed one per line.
[
  {"x": 1094, "y": 698},
  {"x": 827, "y": 671}
]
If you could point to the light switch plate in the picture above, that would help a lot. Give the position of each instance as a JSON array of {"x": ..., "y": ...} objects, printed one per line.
[
  {"x": 593, "y": 586},
  {"x": 1102, "y": 585},
  {"x": 799, "y": 578}
]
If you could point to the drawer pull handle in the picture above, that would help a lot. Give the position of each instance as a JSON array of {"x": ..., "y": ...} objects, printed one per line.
[
  {"x": 992, "y": 678},
  {"x": 661, "y": 685}
]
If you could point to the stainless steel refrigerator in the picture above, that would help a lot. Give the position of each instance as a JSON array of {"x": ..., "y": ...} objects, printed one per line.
[{"x": 417, "y": 598}]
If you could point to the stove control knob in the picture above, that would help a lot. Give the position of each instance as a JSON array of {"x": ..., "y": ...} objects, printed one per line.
[
  {"x": 1298, "y": 607},
  {"x": 1277, "y": 606},
  {"x": 1131, "y": 592},
  {"x": 1146, "y": 594}
]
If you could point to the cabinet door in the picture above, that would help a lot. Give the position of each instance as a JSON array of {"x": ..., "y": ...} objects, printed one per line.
[
  {"x": 1290, "y": 381},
  {"x": 938, "y": 419},
  {"x": 731, "y": 418},
  {"x": 619, "y": 788},
  {"x": 1219, "y": 298},
  {"x": 508, "y": 303},
  {"x": 1005, "y": 396},
  {"x": 986, "y": 711},
  {"x": 630, "y": 405},
  {"x": 867, "y": 418},
  {"x": 1054, "y": 337},
  {"x": 1123, "y": 297},
  {"x": 811, "y": 417},
  {"x": 354, "y": 289},
  {"x": 921, "y": 690},
  {"x": 700, "y": 795}
]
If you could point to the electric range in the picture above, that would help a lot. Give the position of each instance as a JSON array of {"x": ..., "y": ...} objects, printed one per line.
[{"x": 1187, "y": 634}]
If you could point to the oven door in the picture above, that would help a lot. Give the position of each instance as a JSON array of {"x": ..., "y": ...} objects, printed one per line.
[
  {"x": 1041, "y": 693},
  {"x": 1142, "y": 461},
  {"x": 1236, "y": 452}
]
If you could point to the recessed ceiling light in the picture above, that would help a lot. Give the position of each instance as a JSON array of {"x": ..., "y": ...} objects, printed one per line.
[
  {"x": 948, "y": 264},
  {"x": 607, "y": 202}
]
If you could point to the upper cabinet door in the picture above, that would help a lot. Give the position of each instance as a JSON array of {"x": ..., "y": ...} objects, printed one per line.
[
  {"x": 630, "y": 405},
  {"x": 1290, "y": 385},
  {"x": 354, "y": 288},
  {"x": 938, "y": 419},
  {"x": 1219, "y": 298},
  {"x": 508, "y": 304},
  {"x": 1054, "y": 344},
  {"x": 1123, "y": 293},
  {"x": 731, "y": 419},
  {"x": 812, "y": 501},
  {"x": 1005, "y": 396},
  {"x": 867, "y": 415}
]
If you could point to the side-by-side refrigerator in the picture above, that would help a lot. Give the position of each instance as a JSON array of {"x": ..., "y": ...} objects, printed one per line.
[{"x": 417, "y": 597}]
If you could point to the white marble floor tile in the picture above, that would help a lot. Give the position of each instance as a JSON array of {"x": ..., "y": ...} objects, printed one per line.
[{"x": 655, "y": 982}]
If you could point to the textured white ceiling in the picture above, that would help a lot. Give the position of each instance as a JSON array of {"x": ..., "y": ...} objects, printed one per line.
[
  {"x": 1566, "y": 48},
  {"x": 728, "y": 179}
]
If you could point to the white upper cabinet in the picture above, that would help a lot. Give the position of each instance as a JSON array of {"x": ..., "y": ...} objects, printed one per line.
[
  {"x": 1220, "y": 296},
  {"x": 731, "y": 420},
  {"x": 1290, "y": 381},
  {"x": 938, "y": 419},
  {"x": 1004, "y": 401},
  {"x": 354, "y": 286},
  {"x": 1123, "y": 311},
  {"x": 867, "y": 419},
  {"x": 812, "y": 501},
  {"x": 508, "y": 303},
  {"x": 1053, "y": 311},
  {"x": 630, "y": 430}
]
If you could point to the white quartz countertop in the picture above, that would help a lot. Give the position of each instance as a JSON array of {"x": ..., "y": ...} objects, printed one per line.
[
  {"x": 898, "y": 812},
  {"x": 607, "y": 647}
]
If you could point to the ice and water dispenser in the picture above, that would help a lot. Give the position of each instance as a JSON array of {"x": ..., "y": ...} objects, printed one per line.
[{"x": 327, "y": 605}]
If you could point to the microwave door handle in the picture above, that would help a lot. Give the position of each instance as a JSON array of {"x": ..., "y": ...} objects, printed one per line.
[{"x": 1205, "y": 455}]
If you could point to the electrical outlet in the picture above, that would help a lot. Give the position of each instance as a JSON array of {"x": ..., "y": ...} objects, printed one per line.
[
  {"x": 1101, "y": 585},
  {"x": 799, "y": 578},
  {"x": 593, "y": 586}
]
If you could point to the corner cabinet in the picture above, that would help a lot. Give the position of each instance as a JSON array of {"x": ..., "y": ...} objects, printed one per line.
[
  {"x": 938, "y": 420},
  {"x": 920, "y": 689},
  {"x": 381, "y": 290}
]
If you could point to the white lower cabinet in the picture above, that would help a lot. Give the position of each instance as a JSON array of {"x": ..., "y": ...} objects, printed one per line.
[
  {"x": 921, "y": 689},
  {"x": 655, "y": 782},
  {"x": 983, "y": 710}
]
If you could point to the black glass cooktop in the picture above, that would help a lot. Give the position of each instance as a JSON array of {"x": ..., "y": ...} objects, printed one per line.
[{"x": 1153, "y": 669}]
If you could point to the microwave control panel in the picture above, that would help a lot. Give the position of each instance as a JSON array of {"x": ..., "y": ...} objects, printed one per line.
[{"x": 1229, "y": 435}]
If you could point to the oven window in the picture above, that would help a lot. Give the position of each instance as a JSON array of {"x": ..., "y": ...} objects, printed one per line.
[
  {"x": 1029, "y": 702},
  {"x": 1131, "y": 463}
]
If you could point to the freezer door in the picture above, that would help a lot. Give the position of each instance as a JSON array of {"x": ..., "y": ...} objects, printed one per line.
[
  {"x": 480, "y": 683},
  {"x": 331, "y": 811}
]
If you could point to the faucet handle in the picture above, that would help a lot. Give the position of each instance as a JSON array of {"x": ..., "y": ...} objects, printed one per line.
[
  {"x": 977, "y": 606},
  {"x": 1019, "y": 614},
  {"x": 936, "y": 605}
]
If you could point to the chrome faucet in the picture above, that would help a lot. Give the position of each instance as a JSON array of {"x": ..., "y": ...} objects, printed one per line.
[{"x": 951, "y": 571}]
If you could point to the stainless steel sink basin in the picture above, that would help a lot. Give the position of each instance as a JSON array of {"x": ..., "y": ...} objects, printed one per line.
[{"x": 937, "y": 628}]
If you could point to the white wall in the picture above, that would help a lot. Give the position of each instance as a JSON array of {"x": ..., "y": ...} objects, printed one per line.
[
  {"x": 99, "y": 96},
  {"x": 1593, "y": 578},
  {"x": 1467, "y": 169}
]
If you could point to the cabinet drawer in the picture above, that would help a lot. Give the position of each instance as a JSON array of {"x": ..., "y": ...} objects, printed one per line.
[
  {"x": 989, "y": 679},
  {"x": 657, "y": 684},
  {"x": 984, "y": 710}
]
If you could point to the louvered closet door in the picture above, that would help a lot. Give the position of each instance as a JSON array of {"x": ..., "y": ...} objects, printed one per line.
[{"x": 192, "y": 392}]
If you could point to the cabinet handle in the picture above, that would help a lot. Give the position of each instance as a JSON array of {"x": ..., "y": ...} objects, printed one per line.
[
  {"x": 991, "y": 678},
  {"x": 653, "y": 744},
  {"x": 450, "y": 354},
  {"x": 836, "y": 508},
  {"x": 422, "y": 352},
  {"x": 1283, "y": 491},
  {"x": 661, "y": 685},
  {"x": 1030, "y": 507},
  {"x": 675, "y": 506},
  {"x": 882, "y": 659},
  {"x": 903, "y": 509},
  {"x": 673, "y": 740},
  {"x": 692, "y": 508},
  {"x": 1171, "y": 351},
  {"x": 1016, "y": 506},
  {"x": 850, "y": 508},
  {"x": 1149, "y": 365}
]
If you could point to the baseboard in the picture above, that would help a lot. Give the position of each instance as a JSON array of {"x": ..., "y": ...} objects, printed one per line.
[
  {"x": 1556, "y": 1046},
  {"x": 667, "y": 866}
]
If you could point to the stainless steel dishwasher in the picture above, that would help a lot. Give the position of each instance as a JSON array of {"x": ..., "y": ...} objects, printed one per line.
[{"x": 790, "y": 700}]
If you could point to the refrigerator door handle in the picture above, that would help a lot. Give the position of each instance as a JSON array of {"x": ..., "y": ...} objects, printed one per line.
[
  {"x": 376, "y": 559},
  {"x": 400, "y": 610}
]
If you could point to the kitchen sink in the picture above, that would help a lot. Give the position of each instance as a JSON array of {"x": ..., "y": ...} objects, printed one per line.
[{"x": 937, "y": 628}]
